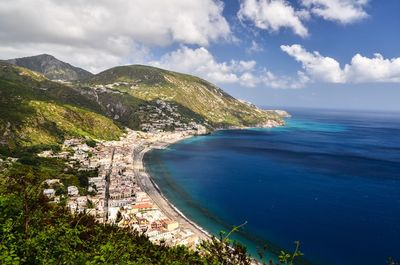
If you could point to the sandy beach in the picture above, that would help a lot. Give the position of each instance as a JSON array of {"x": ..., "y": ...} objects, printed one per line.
[{"x": 147, "y": 184}]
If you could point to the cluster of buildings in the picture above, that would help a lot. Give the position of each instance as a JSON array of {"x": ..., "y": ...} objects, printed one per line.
[
  {"x": 164, "y": 116},
  {"x": 145, "y": 217},
  {"x": 157, "y": 116},
  {"x": 115, "y": 196}
]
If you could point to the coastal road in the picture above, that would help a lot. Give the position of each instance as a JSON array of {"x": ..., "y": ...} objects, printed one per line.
[{"x": 107, "y": 191}]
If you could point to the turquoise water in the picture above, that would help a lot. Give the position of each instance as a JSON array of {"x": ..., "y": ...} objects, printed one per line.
[{"x": 329, "y": 179}]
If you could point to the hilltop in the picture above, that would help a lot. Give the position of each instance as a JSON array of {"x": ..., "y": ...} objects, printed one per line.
[
  {"x": 51, "y": 67},
  {"x": 216, "y": 107}
]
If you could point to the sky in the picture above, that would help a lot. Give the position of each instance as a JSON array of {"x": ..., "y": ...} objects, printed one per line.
[{"x": 274, "y": 53}]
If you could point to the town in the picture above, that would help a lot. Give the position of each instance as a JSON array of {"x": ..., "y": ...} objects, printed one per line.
[{"x": 123, "y": 193}]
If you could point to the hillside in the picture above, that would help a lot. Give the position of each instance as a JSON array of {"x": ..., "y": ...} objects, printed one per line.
[
  {"x": 51, "y": 67},
  {"x": 201, "y": 97},
  {"x": 34, "y": 112},
  {"x": 38, "y": 114}
]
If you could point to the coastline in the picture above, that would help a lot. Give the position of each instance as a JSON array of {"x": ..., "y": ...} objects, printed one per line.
[
  {"x": 125, "y": 193},
  {"x": 148, "y": 185}
]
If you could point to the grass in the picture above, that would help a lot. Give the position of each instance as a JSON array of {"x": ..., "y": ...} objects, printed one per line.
[
  {"x": 193, "y": 93},
  {"x": 36, "y": 111}
]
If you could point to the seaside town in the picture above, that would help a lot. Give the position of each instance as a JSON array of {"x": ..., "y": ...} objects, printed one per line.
[{"x": 123, "y": 193}]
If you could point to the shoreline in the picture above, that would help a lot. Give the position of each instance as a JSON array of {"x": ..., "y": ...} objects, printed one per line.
[{"x": 148, "y": 185}]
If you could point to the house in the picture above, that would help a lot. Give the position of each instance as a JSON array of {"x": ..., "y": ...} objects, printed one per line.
[
  {"x": 142, "y": 207},
  {"x": 73, "y": 207},
  {"x": 170, "y": 225},
  {"x": 73, "y": 191},
  {"x": 81, "y": 201}
]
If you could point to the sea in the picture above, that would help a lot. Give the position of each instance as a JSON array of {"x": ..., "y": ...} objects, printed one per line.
[{"x": 329, "y": 179}]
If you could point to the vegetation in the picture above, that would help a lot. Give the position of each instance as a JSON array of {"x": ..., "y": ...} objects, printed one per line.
[
  {"x": 289, "y": 258},
  {"x": 34, "y": 111},
  {"x": 201, "y": 97},
  {"x": 37, "y": 114},
  {"x": 34, "y": 231},
  {"x": 37, "y": 111}
]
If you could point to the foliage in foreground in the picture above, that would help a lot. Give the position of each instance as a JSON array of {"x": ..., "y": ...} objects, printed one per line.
[{"x": 33, "y": 231}]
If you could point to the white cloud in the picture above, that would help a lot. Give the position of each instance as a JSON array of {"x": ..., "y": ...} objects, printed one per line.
[
  {"x": 377, "y": 69},
  {"x": 271, "y": 80},
  {"x": 273, "y": 15},
  {"x": 321, "y": 68},
  {"x": 343, "y": 11},
  {"x": 202, "y": 63},
  {"x": 248, "y": 79},
  {"x": 116, "y": 29},
  {"x": 360, "y": 70}
]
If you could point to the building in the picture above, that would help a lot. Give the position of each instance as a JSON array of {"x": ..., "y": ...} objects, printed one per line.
[
  {"x": 170, "y": 225},
  {"x": 73, "y": 191}
]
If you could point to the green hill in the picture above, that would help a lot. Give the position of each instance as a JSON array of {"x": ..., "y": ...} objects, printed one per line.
[
  {"x": 201, "y": 97},
  {"x": 36, "y": 111}
]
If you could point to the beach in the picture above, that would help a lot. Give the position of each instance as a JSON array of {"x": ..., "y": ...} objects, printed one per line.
[
  {"x": 153, "y": 191},
  {"x": 124, "y": 192}
]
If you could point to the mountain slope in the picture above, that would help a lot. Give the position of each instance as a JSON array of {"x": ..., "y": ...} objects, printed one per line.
[
  {"x": 35, "y": 110},
  {"x": 33, "y": 113},
  {"x": 51, "y": 67},
  {"x": 203, "y": 98}
]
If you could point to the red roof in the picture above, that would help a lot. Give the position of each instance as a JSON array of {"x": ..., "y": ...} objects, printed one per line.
[{"x": 142, "y": 206}]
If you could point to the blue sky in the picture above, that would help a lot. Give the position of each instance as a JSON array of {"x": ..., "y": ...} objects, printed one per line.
[
  {"x": 278, "y": 53},
  {"x": 378, "y": 33}
]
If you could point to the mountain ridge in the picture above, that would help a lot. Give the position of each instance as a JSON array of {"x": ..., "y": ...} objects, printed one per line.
[
  {"x": 51, "y": 67},
  {"x": 199, "y": 95}
]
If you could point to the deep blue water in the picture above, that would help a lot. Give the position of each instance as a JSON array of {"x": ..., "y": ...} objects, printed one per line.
[{"x": 330, "y": 179}]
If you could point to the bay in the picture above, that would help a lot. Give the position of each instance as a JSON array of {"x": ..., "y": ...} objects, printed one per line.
[{"x": 330, "y": 179}]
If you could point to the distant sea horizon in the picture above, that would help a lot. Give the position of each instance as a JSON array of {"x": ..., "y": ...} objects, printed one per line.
[
  {"x": 324, "y": 109},
  {"x": 329, "y": 178}
]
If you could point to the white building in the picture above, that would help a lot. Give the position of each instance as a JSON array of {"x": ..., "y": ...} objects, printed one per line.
[{"x": 73, "y": 191}]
